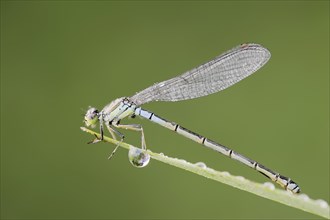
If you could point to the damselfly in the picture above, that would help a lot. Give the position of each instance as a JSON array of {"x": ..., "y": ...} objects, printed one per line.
[{"x": 213, "y": 76}]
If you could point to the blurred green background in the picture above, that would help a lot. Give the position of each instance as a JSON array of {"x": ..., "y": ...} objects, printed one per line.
[{"x": 59, "y": 57}]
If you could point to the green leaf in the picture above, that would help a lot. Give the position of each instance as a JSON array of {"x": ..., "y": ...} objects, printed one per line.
[{"x": 300, "y": 201}]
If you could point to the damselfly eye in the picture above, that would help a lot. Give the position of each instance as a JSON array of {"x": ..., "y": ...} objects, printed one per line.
[{"x": 91, "y": 117}]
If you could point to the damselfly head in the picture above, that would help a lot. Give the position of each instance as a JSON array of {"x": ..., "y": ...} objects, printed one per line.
[{"x": 91, "y": 117}]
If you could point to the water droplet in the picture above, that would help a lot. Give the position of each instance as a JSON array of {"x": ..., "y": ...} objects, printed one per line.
[
  {"x": 138, "y": 157},
  {"x": 182, "y": 160},
  {"x": 269, "y": 185},
  {"x": 240, "y": 178},
  {"x": 161, "y": 154},
  {"x": 201, "y": 165},
  {"x": 304, "y": 197},
  {"x": 225, "y": 173},
  {"x": 323, "y": 204}
]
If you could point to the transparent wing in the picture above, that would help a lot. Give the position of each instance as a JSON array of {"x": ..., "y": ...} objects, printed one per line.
[{"x": 213, "y": 76}]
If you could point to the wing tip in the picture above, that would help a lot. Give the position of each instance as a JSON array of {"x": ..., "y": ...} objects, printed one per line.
[{"x": 255, "y": 46}]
